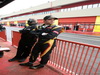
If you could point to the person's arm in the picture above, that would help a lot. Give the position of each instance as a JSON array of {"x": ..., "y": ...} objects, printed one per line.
[{"x": 52, "y": 34}]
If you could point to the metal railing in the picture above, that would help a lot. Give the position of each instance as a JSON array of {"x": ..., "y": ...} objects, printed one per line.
[{"x": 76, "y": 58}]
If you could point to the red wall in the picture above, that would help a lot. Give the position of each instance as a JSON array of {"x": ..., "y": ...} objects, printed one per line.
[
  {"x": 40, "y": 21},
  {"x": 16, "y": 38},
  {"x": 73, "y": 20},
  {"x": 77, "y": 19},
  {"x": 5, "y": 22},
  {"x": 22, "y": 21},
  {"x": 11, "y": 22},
  {"x": 3, "y": 35}
]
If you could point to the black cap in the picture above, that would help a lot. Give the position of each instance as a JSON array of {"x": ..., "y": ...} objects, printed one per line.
[
  {"x": 31, "y": 20},
  {"x": 50, "y": 17}
]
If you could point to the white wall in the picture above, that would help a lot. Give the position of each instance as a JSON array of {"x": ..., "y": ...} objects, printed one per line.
[
  {"x": 45, "y": 6},
  {"x": 79, "y": 13},
  {"x": 65, "y": 2}
]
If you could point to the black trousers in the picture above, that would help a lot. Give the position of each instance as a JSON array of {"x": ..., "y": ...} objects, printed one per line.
[
  {"x": 24, "y": 48},
  {"x": 45, "y": 49}
]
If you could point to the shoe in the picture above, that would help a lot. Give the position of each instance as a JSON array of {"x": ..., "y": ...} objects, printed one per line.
[
  {"x": 1, "y": 54},
  {"x": 22, "y": 60},
  {"x": 26, "y": 64},
  {"x": 13, "y": 59},
  {"x": 37, "y": 66}
]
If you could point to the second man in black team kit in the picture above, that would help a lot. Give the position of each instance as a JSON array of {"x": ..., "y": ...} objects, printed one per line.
[
  {"x": 47, "y": 34},
  {"x": 26, "y": 42}
]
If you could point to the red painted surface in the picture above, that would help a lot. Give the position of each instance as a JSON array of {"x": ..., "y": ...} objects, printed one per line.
[
  {"x": 3, "y": 35},
  {"x": 16, "y": 38},
  {"x": 22, "y": 21},
  {"x": 77, "y": 19},
  {"x": 40, "y": 21},
  {"x": 11, "y": 22},
  {"x": 5, "y": 22},
  {"x": 86, "y": 23}
]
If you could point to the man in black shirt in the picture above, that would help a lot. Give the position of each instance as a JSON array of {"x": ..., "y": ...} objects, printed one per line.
[{"x": 26, "y": 42}]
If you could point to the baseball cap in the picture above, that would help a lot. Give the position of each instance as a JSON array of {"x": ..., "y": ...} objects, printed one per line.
[
  {"x": 31, "y": 20},
  {"x": 49, "y": 17}
]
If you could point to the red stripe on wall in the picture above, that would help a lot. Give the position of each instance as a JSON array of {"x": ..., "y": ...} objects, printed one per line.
[
  {"x": 77, "y": 19},
  {"x": 22, "y": 21},
  {"x": 40, "y": 20},
  {"x": 11, "y": 22}
]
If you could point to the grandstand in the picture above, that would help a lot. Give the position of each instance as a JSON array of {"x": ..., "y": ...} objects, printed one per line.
[{"x": 84, "y": 13}]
